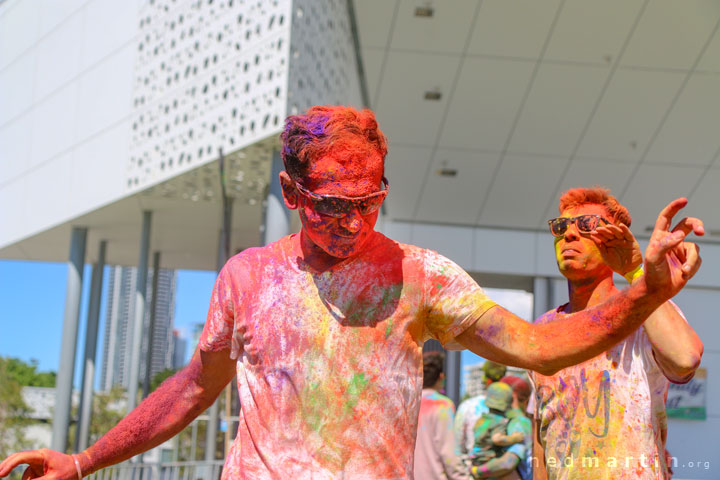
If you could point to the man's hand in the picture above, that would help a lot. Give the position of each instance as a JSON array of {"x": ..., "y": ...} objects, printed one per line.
[
  {"x": 669, "y": 261},
  {"x": 169, "y": 409},
  {"x": 501, "y": 336},
  {"x": 618, "y": 247},
  {"x": 45, "y": 463}
]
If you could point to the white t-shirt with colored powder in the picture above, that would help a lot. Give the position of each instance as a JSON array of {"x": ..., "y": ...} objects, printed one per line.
[
  {"x": 468, "y": 413},
  {"x": 329, "y": 365},
  {"x": 604, "y": 418}
]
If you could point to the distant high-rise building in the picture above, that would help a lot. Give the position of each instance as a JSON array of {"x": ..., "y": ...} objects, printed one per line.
[
  {"x": 194, "y": 339},
  {"x": 119, "y": 326},
  {"x": 179, "y": 350},
  {"x": 474, "y": 380}
]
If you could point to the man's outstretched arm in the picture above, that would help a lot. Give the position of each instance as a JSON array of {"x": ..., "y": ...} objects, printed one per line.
[
  {"x": 675, "y": 345},
  {"x": 547, "y": 348},
  {"x": 159, "y": 417}
]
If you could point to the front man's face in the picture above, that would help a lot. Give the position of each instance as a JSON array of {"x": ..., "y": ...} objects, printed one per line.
[
  {"x": 344, "y": 236},
  {"x": 575, "y": 252}
]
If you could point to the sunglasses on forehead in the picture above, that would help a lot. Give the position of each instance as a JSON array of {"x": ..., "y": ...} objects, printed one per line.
[
  {"x": 339, "y": 206},
  {"x": 585, "y": 224}
]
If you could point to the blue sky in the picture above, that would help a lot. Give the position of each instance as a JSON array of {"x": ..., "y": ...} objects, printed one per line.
[{"x": 32, "y": 305}]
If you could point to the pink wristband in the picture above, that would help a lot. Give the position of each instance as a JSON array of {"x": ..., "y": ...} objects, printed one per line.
[{"x": 77, "y": 467}]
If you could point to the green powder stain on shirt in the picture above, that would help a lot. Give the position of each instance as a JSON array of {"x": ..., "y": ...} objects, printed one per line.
[
  {"x": 315, "y": 407},
  {"x": 388, "y": 328},
  {"x": 357, "y": 385},
  {"x": 391, "y": 294}
]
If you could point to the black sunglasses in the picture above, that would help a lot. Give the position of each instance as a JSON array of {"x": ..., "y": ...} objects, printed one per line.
[
  {"x": 585, "y": 224},
  {"x": 338, "y": 206}
]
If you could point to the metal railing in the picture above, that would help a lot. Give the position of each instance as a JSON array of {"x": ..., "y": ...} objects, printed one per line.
[{"x": 161, "y": 471}]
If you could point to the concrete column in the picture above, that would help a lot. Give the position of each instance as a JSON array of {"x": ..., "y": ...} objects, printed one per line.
[
  {"x": 193, "y": 440},
  {"x": 91, "y": 334},
  {"x": 543, "y": 293},
  {"x": 276, "y": 224},
  {"x": 223, "y": 255},
  {"x": 224, "y": 241},
  {"x": 112, "y": 332},
  {"x": 140, "y": 292},
  {"x": 452, "y": 375},
  {"x": 63, "y": 390},
  {"x": 151, "y": 326},
  {"x": 452, "y": 368},
  {"x": 276, "y": 217},
  {"x": 211, "y": 432}
]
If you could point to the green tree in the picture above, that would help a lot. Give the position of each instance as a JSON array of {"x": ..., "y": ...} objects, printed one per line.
[
  {"x": 27, "y": 374},
  {"x": 13, "y": 411},
  {"x": 108, "y": 408}
]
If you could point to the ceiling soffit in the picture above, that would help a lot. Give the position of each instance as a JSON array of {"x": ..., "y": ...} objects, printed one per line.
[{"x": 531, "y": 98}]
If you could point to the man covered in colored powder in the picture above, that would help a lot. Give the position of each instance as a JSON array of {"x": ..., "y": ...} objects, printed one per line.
[
  {"x": 605, "y": 418},
  {"x": 470, "y": 410},
  {"x": 435, "y": 453},
  {"x": 325, "y": 328}
]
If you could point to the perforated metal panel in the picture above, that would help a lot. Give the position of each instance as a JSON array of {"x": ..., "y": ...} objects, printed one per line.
[
  {"x": 323, "y": 67},
  {"x": 247, "y": 173},
  {"x": 210, "y": 74},
  {"x": 224, "y": 74}
]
